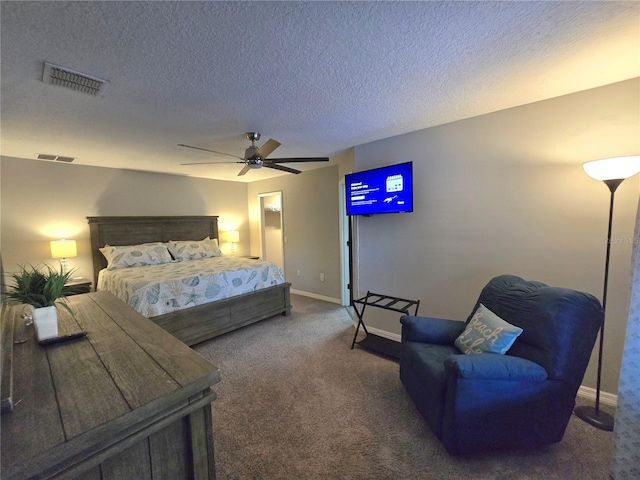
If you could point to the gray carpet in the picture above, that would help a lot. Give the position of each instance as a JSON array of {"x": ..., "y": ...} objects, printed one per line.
[{"x": 296, "y": 403}]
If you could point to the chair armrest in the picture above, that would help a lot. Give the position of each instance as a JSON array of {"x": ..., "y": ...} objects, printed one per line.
[
  {"x": 430, "y": 330},
  {"x": 492, "y": 366}
]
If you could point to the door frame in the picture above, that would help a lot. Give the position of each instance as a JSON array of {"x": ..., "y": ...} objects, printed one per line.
[
  {"x": 346, "y": 253},
  {"x": 263, "y": 248}
]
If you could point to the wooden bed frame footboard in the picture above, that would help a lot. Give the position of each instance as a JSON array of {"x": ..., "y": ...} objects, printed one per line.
[{"x": 202, "y": 322}]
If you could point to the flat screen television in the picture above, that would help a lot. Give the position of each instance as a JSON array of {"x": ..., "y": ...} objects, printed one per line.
[{"x": 380, "y": 190}]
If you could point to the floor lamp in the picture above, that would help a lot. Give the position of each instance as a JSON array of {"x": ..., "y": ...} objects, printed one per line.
[{"x": 612, "y": 171}]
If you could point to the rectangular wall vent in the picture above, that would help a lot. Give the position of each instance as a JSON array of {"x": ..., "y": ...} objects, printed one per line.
[
  {"x": 56, "y": 158},
  {"x": 68, "y": 78}
]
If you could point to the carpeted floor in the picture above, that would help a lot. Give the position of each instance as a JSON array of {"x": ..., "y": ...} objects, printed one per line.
[{"x": 296, "y": 403}]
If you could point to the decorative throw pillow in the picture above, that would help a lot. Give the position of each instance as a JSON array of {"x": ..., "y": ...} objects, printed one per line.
[
  {"x": 192, "y": 250},
  {"x": 486, "y": 332},
  {"x": 135, "y": 255}
]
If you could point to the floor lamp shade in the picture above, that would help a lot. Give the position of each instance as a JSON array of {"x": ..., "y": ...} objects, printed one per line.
[
  {"x": 613, "y": 168},
  {"x": 612, "y": 171}
]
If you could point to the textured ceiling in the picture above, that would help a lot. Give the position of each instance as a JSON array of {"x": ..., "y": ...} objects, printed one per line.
[{"x": 319, "y": 77}]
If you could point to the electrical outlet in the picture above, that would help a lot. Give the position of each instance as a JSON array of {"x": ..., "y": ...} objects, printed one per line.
[
  {"x": 322, "y": 277},
  {"x": 298, "y": 273}
]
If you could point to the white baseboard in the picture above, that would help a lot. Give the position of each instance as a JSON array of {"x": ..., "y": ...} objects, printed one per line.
[
  {"x": 381, "y": 333},
  {"x": 606, "y": 398},
  {"x": 586, "y": 393},
  {"x": 316, "y": 296}
]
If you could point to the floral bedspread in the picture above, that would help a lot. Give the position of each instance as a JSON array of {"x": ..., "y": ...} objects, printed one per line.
[{"x": 157, "y": 289}]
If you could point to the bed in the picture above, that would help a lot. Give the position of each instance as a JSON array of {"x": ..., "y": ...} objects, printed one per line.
[{"x": 201, "y": 322}]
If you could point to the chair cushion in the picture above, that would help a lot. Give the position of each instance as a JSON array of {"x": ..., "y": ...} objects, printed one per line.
[
  {"x": 486, "y": 332},
  {"x": 494, "y": 367}
]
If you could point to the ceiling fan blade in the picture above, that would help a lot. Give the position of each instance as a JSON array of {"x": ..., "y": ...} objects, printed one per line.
[
  {"x": 207, "y": 163},
  {"x": 292, "y": 160},
  {"x": 280, "y": 167},
  {"x": 269, "y": 146},
  {"x": 210, "y": 151},
  {"x": 244, "y": 170}
]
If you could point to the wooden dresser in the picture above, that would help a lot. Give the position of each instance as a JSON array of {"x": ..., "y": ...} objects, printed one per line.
[{"x": 128, "y": 401}]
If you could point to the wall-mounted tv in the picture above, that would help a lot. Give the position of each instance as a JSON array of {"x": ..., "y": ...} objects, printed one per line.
[{"x": 381, "y": 190}]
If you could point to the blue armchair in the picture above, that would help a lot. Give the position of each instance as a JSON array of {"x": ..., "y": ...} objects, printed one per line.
[{"x": 490, "y": 401}]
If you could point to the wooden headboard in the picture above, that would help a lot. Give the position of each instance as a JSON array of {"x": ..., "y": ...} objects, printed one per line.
[{"x": 135, "y": 230}]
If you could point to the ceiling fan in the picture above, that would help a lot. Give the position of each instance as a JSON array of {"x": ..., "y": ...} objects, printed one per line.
[{"x": 256, "y": 157}]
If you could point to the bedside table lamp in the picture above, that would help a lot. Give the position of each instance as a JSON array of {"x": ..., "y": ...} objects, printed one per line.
[
  {"x": 232, "y": 237},
  {"x": 63, "y": 249}
]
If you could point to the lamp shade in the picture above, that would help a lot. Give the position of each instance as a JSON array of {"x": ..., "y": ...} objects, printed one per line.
[
  {"x": 231, "y": 236},
  {"x": 63, "y": 248},
  {"x": 617, "y": 168}
]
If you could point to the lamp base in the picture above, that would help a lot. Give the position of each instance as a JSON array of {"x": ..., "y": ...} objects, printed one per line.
[{"x": 598, "y": 419}]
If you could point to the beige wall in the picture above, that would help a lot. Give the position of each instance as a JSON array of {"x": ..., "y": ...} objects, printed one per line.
[
  {"x": 310, "y": 223},
  {"x": 506, "y": 193},
  {"x": 43, "y": 201},
  {"x": 346, "y": 162}
]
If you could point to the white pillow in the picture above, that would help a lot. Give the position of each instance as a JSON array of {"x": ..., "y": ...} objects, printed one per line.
[
  {"x": 135, "y": 255},
  {"x": 194, "y": 249}
]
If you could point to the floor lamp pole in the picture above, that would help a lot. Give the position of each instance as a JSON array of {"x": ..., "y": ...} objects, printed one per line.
[{"x": 593, "y": 415}]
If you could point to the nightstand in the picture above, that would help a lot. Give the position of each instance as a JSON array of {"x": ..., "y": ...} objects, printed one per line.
[
  {"x": 78, "y": 286},
  {"x": 251, "y": 257}
]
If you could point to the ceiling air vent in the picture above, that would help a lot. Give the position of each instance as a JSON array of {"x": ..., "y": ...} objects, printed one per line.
[
  {"x": 57, "y": 158},
  {"x": 65, "y": 77}
]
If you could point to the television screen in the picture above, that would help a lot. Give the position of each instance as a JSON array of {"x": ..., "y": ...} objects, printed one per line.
[{"x": 381, "y": 190}]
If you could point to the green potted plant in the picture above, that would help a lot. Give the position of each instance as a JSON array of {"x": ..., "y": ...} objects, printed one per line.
[{"x": 42, "y": 290}]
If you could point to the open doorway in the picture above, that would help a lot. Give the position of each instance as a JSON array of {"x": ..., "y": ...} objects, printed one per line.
[{"x": 271, "y": 228}]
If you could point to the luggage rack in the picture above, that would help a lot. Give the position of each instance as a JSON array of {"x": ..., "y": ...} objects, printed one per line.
[{"x": 374, "y": 342}]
